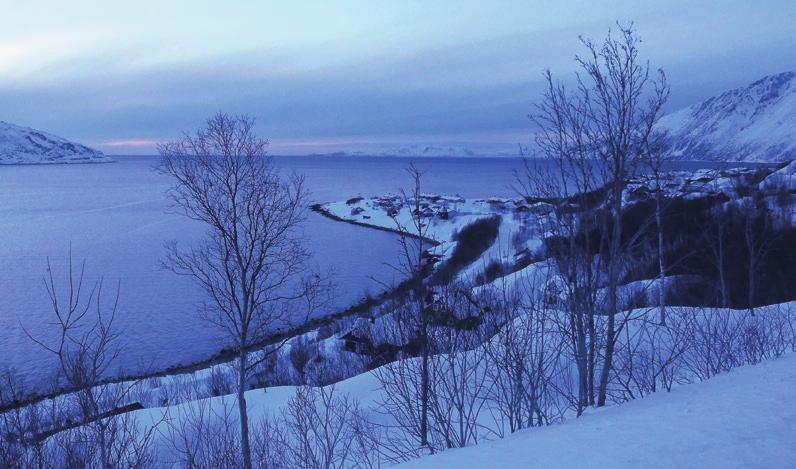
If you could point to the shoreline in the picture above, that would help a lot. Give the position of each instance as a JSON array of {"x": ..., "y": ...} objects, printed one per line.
[
  {"x": 57, "y": 163},
  {"x": 226, "y": 355},
  {"x": 318, "y": 208}
]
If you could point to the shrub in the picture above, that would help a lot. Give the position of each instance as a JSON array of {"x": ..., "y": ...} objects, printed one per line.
[{"x": 472, "y": 240}]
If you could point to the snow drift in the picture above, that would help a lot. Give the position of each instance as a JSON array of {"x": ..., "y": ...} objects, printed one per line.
[{"x": 744, "y": 418}]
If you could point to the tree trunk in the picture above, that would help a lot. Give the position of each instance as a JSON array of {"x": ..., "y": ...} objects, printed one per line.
[
  {"x": 243, "y": 411},
  {"x": 752, "y": 267},
  {"x": 424, "y": 385},
  {"x": 592, "y": 357},
  {"x": 722, "y": 279},
  {"x": 613, "y": 280},
  {"x": 103, "y": 444},
  {"x": 661, "y": 265},
  {"x": 609, "y": 354},
  {"x": 582, "y": 363}
]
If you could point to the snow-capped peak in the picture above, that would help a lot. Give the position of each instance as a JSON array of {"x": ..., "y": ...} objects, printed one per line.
[
  {"x": 431, "y": 150},
  {"x": 23, "y": 145},
  {"x": 428, "y": 150},
  {"x": 752, "y": 123}
]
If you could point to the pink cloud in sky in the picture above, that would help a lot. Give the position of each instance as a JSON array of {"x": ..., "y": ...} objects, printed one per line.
[
  {"x": 128, "y": 146},
  {"x": 134, "y": 142}
]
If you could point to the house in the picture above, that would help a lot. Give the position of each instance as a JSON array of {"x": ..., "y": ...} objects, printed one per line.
[{"x": 356, "y": 344}]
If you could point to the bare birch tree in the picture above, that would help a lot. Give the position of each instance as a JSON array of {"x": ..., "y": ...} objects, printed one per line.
[
  {"x": 758, "y": 236},
  {"x": 253, "y": 263},
  {"x": 414, "y": 242},
  {"x": 86, "y": 347},
  {"x": 609, "y": 117},
  {"x": 569, "y": 184},
  {"x": 655, "y": 156},
  {"x": 716, "y": 241}
]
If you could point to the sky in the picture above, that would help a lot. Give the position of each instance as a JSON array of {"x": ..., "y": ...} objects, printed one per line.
[{"x": 350, "y": 75}]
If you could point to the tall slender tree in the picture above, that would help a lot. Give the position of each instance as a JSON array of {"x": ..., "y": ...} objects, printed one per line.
[
  {"x": 414, "y": 242},
  {"x": 252, "y": 263},
  {"x": 607, "y": 119}
]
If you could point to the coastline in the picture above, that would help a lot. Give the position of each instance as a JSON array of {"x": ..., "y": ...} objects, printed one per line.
[
  {"x": 55, "y": 163},
  {"x": 225, "y": 355},
  {"x": 318, "y": 208}
]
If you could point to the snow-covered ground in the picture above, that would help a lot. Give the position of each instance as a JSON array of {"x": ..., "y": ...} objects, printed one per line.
[
  {"x": 446, "y": 216},
  {"x": 745, "y": 418},
  {"x": 741, "y": 418}
]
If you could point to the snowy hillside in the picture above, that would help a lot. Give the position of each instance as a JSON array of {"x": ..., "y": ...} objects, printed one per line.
[
  {"x": 744, "y": 418},
  {"x": 753, "y": 123},
  {"x": 23, "y": 145},
  {"x": 740, "y": 418}
]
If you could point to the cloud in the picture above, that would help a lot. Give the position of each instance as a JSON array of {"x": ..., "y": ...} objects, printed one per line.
[
  {"x": 141, "y": 142},
  {"x": 350, "y": 75}
]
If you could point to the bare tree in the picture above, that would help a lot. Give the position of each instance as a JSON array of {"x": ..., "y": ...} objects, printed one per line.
[
  {"x": 655, "y": 156},
  {"x": 253, "y": 263},
  {"x": 758, "y": 236},
  {"x": 86, "y": 347},
  {"x": 568, "y": 185},
  {"x": 649, "y": 355},
  {"x": 458, "y": 380},
  {"x": 716, "y": 242},
  {"x": 414, "y": 242},
  {"x": 320, "y": 428},
  {"x": 201, "y": 433},
  {"x": 608, "y": 118},
  {"x": 19, "y": 425},
  {"x": 527, "y": 357}
]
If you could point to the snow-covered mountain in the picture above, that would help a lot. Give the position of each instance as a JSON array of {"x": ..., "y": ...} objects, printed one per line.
[
  {"x": 416, "y": 150},
  {"x": 752, "y": 123},
  {"x": 23, "y": 145},
  {"x": 431, "y": 150}
]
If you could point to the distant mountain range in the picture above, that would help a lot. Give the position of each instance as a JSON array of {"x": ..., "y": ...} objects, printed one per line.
[
  {"x": 752, "y": 123},
  {"x": 23, "y": 145},
  {"x": 425, "y": 151}
]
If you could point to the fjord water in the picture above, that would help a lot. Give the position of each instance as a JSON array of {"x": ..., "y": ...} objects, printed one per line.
[{"x": 117, "y": 217}]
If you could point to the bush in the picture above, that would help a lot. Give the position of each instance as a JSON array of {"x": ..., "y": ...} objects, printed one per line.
[
  {"x": 636, "y": 299},
  {"x": 301, "y": 351},
  {"x": 325, "y": 331},
  {"x": 472, "y": 240}
]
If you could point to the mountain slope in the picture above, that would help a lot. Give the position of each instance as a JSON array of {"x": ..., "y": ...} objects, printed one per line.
[
  {"x": 752, "y": 123},
  {"x": 744, "y": 418},
  {"x": 23, "y": 145}
]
